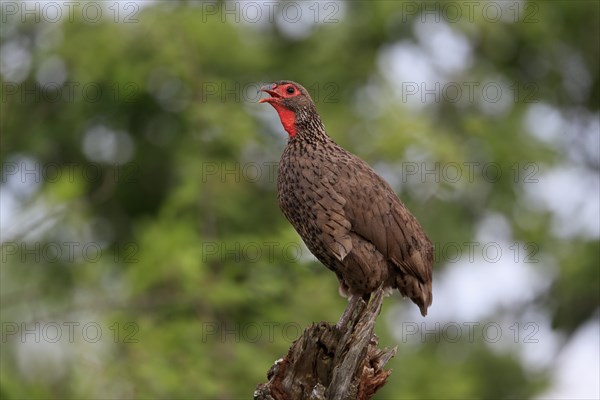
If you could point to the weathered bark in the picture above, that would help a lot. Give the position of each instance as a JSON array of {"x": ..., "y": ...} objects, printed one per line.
[{"x": 328, "y": 362}]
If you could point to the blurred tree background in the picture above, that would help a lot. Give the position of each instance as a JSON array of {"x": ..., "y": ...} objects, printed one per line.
[{"x": 143, "y": 252}]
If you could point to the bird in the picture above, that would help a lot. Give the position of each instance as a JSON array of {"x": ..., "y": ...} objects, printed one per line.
[{"x": 348, "y": 216}]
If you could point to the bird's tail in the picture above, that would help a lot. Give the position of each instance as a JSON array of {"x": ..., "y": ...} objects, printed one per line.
[{"x": 416, "y": 290}]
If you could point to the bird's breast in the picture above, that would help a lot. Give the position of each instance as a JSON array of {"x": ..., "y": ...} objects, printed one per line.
[{"x": 300, "y": 187}]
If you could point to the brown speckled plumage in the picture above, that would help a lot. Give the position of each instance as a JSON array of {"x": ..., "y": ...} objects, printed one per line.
[{"x": 347, "y": 215}]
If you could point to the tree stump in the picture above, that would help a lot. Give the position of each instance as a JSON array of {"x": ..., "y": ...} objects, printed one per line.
[{"x": 328, "y": 362}]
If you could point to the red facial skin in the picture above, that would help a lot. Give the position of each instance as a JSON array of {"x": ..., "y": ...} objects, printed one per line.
[{"x": 278, "y": 94}]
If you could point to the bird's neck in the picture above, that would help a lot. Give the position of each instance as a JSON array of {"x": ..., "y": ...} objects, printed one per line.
[{"x": 308, "y": 126}]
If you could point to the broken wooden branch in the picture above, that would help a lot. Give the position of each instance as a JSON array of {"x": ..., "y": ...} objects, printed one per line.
[{"x": 328, "y": 362}]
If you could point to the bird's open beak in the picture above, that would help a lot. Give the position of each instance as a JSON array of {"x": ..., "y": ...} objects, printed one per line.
[{"x": 269, "y": 89}]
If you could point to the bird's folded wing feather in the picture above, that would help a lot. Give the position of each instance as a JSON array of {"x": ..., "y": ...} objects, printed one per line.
[
  {"x": 328, "y": 208},
  {"x": 376, "y": 214}
]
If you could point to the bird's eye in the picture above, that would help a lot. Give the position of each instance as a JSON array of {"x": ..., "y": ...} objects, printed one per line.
[{"x": 290, "y": 89}]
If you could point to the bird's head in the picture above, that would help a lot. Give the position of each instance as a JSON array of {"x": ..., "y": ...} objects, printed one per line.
[{"x": 293, "y": 104}]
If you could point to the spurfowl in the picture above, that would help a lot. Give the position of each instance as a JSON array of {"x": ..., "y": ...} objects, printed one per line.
[{"x": 347, "y": 215}]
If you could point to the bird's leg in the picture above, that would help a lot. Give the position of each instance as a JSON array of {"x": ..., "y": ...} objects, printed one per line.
[{"x": 347, "y": 314}]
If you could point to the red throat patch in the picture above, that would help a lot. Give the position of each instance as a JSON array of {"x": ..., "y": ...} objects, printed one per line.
[{"x": 287, "y": 118}]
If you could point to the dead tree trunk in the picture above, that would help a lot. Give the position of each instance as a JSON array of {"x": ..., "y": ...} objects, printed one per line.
[{"x": 328, "y": 363}]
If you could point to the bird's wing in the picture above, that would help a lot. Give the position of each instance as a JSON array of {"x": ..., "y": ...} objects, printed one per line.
[
  {"x": 328, "y": 210},
  {"x": 376, "y": 214}
]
